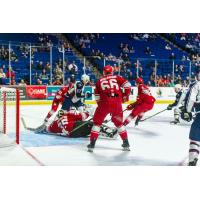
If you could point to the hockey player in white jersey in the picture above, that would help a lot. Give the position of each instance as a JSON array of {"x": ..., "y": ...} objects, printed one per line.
[
  {"x": 179, "y": 102},
  {"x": 192, "y": 100}
]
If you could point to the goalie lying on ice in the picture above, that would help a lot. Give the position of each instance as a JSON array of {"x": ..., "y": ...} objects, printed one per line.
[{"x": 72, "y": 124}]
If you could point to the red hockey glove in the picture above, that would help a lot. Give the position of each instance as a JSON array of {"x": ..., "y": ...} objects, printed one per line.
[
  {"x": 131, "y": 106},
  {"x": 125, "y": 99}
]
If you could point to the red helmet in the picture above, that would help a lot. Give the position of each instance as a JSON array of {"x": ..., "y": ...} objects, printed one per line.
[
  {"x": 139, "y": 80},
  {"x": 108, "y": 69}
]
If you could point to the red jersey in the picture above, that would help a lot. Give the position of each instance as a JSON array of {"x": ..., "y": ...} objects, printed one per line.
[
  {"x": 111, "y": 88},
  {"x": 65, "y": 124},
  {"x": 60, "y": 94},
  {"x": 144, "y": 94}
]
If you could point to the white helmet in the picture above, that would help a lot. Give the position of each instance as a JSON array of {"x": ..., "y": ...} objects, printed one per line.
[
  {"x": 85, "y": 78},
  {"x": 178, "y": 88}
]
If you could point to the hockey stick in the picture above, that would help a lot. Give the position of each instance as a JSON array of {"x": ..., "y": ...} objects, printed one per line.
[
  {"x": 153, "y": 115},
  {"x": 78, "y": 127},
  {"x": 106, "y": 121},
  {"x": 29, "y": 128}
]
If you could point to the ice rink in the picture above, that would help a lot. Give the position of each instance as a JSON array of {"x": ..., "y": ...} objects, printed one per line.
[{"x": 154, "y": 142}]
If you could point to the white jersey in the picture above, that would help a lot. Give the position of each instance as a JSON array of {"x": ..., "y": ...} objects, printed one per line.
[
  {"x": 181, "y": 100},
  {"x": 193, "y": 96}
]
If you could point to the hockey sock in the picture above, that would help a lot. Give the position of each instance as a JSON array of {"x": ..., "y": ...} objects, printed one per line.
[
  {"x": 194, "y": 150},
  {"x": 122, "y": 132},
  {"x": 94, "y": 133},
  {"x": 49, "y": 115},
  {"x": 128, "y": 120}
]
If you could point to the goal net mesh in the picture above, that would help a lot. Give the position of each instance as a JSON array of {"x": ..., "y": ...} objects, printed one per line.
[{"x": 9, "y": 116}]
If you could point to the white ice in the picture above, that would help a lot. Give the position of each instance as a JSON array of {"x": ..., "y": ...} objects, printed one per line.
[{"x": 154, "y": 142}]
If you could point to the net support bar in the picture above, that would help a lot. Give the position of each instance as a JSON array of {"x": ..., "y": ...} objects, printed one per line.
[{"x": 17, "y": 116}]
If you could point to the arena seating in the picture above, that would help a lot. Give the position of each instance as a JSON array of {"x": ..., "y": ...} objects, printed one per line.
[
  {"x": 21, "y": 67},
  {"x": 110, "y": 42}
]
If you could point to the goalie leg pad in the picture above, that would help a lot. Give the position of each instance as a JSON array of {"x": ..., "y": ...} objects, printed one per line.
[{"x": 84, "y": 131}]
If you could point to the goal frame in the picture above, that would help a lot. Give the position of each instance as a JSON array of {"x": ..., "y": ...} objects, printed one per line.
[{"x": 17, "y": 104}]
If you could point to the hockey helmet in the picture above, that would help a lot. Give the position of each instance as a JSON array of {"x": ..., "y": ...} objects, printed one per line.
[
  {"x": 139, "y": 80},
  {"x": 178, "y": 88},
  {"x": 72, "y": 78},
  {"x": 107, "y": 70},
  {"x": 60, "y": 113},
  {"x": 85, "y": 78}
]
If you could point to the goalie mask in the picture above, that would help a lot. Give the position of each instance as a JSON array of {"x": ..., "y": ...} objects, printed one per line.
[{"x": 60, "y": 113}]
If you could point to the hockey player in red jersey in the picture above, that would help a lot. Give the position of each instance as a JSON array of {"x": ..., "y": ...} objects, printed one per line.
[
  {"x": 72, "y": 124},
  {"x": 109, "y": 98},
  {"x": 66, "y": 122},
  {"x": 58, "y": 99},
  {"x": 145, "y": 102}
]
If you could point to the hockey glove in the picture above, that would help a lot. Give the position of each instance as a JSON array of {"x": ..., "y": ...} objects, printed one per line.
[
  {"x": 187, "y": 116},
  {"x": 125, "y": 99},
  {"x": 169, "y": 107},
  {"x": 131, "y": 106}
]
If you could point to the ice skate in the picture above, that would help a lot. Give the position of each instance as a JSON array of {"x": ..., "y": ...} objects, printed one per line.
[
  {"x": 137, "y": 121},
  {"x": 91, "y": 146},
  {"x": 176, "y": 121},
  {"x": 193, "y": 163},
  {"x": 126, "y": 145}
]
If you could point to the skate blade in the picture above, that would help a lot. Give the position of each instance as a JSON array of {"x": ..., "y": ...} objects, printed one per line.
[
  {"x": 90, "y": 150},
  {"x": 126, "y": 149}
]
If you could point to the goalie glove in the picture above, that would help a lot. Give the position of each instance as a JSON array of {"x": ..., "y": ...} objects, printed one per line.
[
  {"x": 131, "y": 106},
  {"x": 187, "y": 116}
]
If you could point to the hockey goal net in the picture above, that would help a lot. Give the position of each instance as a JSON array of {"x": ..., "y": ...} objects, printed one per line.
[{"x": 9, "y": 116}]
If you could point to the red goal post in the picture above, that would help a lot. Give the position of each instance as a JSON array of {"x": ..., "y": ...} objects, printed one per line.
[{"x": 9, "y": 116}]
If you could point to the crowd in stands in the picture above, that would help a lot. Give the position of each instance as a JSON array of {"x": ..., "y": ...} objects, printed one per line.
[{"x": 122, "y": 58}]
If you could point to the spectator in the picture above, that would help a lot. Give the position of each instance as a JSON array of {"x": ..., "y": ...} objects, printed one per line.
[
  {"x": 58, "y": 72},
  {"x": 132, "y": 50},
  {"x": 172, "y": 56},
  {"x": 167, "y": 47},
  {"x": 10, "y": 73},
  {"x": 44, "y": 75},
  {"x": 73, "y": 69},
  {"x": 22, "y": 83},
  {"x": 57, "y": 81},
  {"x": 2, "y": 76},
  {"x": 38, "y": 82},
  {"x": 40, "y": 65},
  {"x": 147, "y": 51},
  {"x": 176, "y": 68},
  {"x": 178, "y": 80},
  {"x": 47, "y": 66}
]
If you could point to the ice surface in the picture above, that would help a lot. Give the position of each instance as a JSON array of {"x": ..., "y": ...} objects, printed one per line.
[{"x": 153, "y": 142}]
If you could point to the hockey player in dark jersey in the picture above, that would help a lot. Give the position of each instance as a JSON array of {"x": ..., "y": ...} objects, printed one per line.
[
  {"x": 192, "y": 100},
  {"x": 76, "y": 95},
  {"x": 178, "y": 104}
]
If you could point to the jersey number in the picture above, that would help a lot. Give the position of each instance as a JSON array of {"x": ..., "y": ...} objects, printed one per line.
[{"x": 109, "y": 84}]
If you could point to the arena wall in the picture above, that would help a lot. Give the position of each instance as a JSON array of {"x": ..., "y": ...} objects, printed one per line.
[{"x": 43, "y": 95}]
